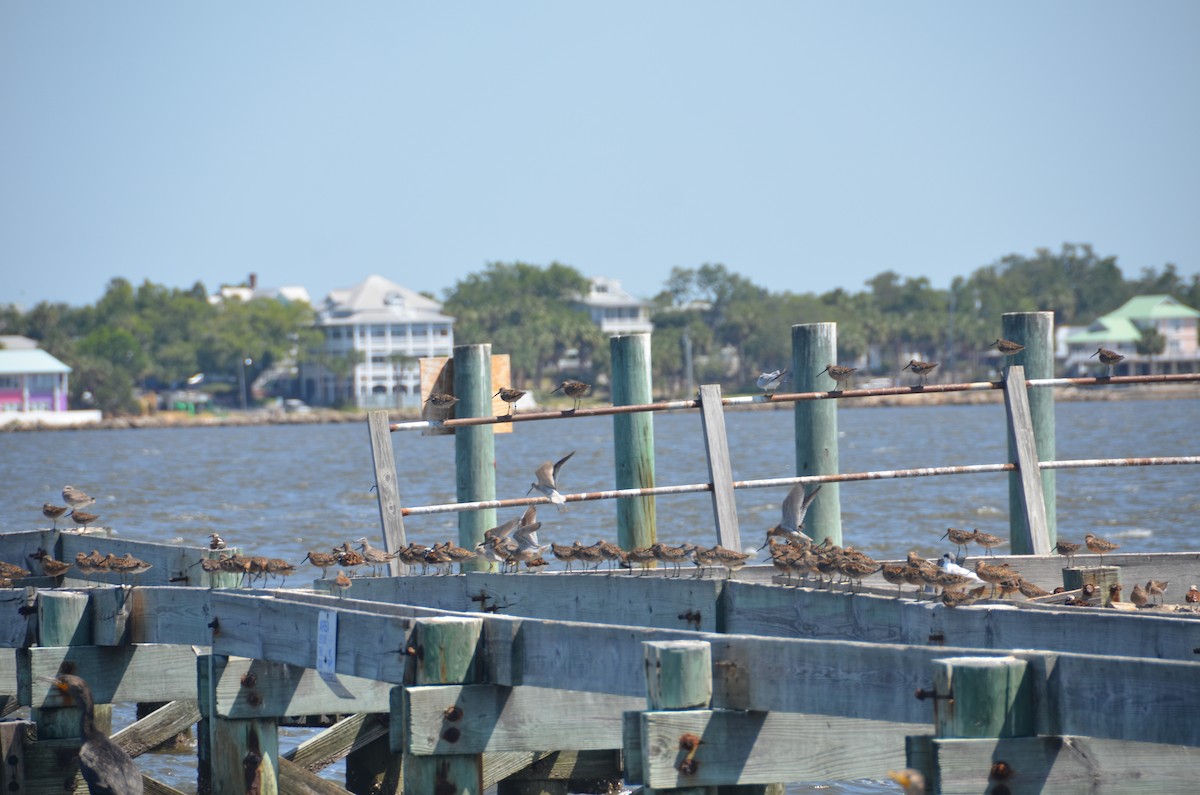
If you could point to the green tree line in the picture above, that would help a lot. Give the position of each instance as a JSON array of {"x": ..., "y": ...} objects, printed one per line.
[{"x": 153, "y": 336}]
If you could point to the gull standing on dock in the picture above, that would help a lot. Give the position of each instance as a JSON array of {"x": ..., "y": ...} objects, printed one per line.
[
  {"x": 791, "y": 522},
  {"x": 922, "y": 369},
  {"x": 547, "y": 481},
  {"x": 769, "y": 382},
  {"x": 839, "y": 374},
  {"x": 576, "y": 390},
  {"x": 1108, "y": 358}
]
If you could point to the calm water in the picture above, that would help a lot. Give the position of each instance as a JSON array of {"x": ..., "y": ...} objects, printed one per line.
[{"x": 281, "y": 490}]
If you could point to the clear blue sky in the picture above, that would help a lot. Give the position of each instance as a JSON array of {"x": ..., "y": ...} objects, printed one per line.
[{"x": 804, "y": 145}]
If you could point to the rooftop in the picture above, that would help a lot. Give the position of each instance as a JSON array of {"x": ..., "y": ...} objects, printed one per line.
[
  {"x": 30, "y": 362},
  {"x": 380, "y": 300}
]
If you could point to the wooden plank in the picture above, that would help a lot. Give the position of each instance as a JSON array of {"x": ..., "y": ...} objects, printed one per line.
[
  {"x": 8, "y": 672},
  {"x": 13, "y": 736},
  {"x": 248, "y": 688},
  {"x": 1029, "y": 531},
  {"x": 158, "y": 727},
  {"x": 633, "y": 440},
  {"x": 474, "y": 446},
  {"x": 476, "y": 719},
  {"x": 295, "y": 780},
  {"x": 720, "y": 470},
  {"x": 347, "y": 735},
  {"x": 143, "y": 672},
  {"x": 1035, "y": 330},
  {"x": 440, "y": 593},
  {"x": 17, "y": 622},
  {"x": 569, "y": 765},
  {"x": 171, "y": 614},
  {"x": 245, "y": 757},
  {"x": 814, "y": 345},
  {"x": 437, "y": 375},
  {"x": 110, "y": 609},
  {"x": 1065, "y": 766},
  {"x": 386, "y": 485},
  {"x": 762, "y": 748}
]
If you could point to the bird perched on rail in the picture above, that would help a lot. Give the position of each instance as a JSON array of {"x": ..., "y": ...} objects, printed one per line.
[
  {"x": 76, "y": 498},
  {"x": 547, "y": 481},
  {"x": 376, "y": 558},
  {"x": 1108, "y": 358},
  {"x": 215, "y": 541},
  {"x": 105, "y": 766},
  {"x": 53, "y": 512},
  {"x": 50, "y": 566},
  {"x": 791, "y": 522},
  {"x": 510, "y": 396},
  {"x": 769, "y": 382},
  {"x": 576, "y": 390},
  {"x": 921, "y": 369},
  {"x": 839, "y": 374},
  {"x": 441, "y": 401},
  {"x": 322, "y": 560}
]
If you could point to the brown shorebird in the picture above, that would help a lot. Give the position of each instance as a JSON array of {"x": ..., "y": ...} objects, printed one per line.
[
  {"x": 88, "y": 564},
  {"x": 441, "y": 401},
  {"x": 1139, "y": 596},
  {"x": 1192, "y": 596},
  {"x": 126, "y": 565},
  {"x": 459, "y": 555},
  {"x": 640, "y": 556},
  {"x": 1108, "y": 358},
  {"x": 1030, "y": 590},
  {"x": 921, "y": 369},
  {"x": 347, "y": 557},
  {"x": 50, "y": 566},
  {"x": 960, "y": 538},
  {"x": 994, "y": 575},
  {"x": 1067, "y": 550},
  {"x": 564, "y": 552},
  {"x": 576, "y": 390},
  {"x": 952, "y": 597},
  {"x": 53, "y": 512},
  {"x": 1007, "y": 347},
  {"x": 342, "y": 582},
  {"x": 1114, "y": 592},
  {"x": 76, "y": 498},
  {"x": 988, "y": 541},
  {"x": 510, "y": 396},
  {"x": 795, "y": 508},
  {"x": 894, "y": 573},
  {"x": 839, "y": 374},
  {"x": 1099, "y": 546},
  {"x": 278, "y": 567},
  {"x": 1156, "y": 588},
  {"x": 547, "y": 481},
  {"x": 12, "y": 571},
  {"x": 322, "y": 560},
  {"x": 83, "y": 518},
  {"x": 376, "y": 558}
]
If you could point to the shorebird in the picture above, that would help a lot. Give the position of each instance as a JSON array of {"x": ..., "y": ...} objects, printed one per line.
[
  {"x": 769, "y": 382},
  {"x": 1007, "y": 347},
  {"x": 104, "y": 765},
  {"x": 610, "y": 553},
  {"x": 1099, "y": 546},
  {"x": 457, "y": 554},
  {"x": 375, "y": 557},
  {"x": 1109, "y": 358},
  {"x": 52, "y": 512},
  {"x": 839, "y": 374},
  {"x": 894, "y": 573},
  {"x": 960, "y": 538},
  {"x": 492, "y": 550},
  {"x": 1114, "y": 592},
  {"x": 921, "y": 369},
  {"x": 1192, "y": 596},
  {"x": 127, "y": 565},
  {"x": 987, "y": 540},
  {"x": 995, "y": 575},
  {"x": 278, "y": 567},
  {"x": 791, "y": 522},
  {"x": 342, "y": 582},
  {"x": 12, "y": 571},
  {"x": 347, "y": 557},
  {"x": 913, "y": 781},
  {"x": 50, "y": 566},
  {"x": 640, "y": 556},
  {"x": 1139, "y": 596},
  {"x": 1029, "y": 590},
  {"x": 83, "y": 518},
  {"x": 576, "y": 390},
  {"x": 322, "y": 560},
  {"x": 1156, "y": 588},
  {"x": 547, "y": 481},
  {"x": 565, "y": 553},
  {"x": 76, "y": 498},
  {"x": 671, "y": 556},
  {"x": 1067, "y": 550},
  {"x": 88, "y": 564},
  {"x": 510, "y": 396},
  {"x": 957, "y": 598},
  {"x": 441, "y": 401},
  {"x": 215, "y": 541}
]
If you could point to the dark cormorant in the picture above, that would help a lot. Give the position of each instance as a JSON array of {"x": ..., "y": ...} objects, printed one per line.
[{"x": 106, "y": 768}]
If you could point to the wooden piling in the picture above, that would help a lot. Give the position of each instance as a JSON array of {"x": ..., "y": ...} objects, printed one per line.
[
  {"x": 1035, "y": 330},
  {"x": 678, "y": 674},
  {"x": 720, "y": 471},
  {"x": 474, "y": 446},
  {"x": 387, "y": 488},
  {"x": 633, "y": 439},
  {"x": 1028, "y": 528},
  {"x": 978, "y": 697},
  {"x": 64, "y": 618},
  {"x": 814, "y": 345}
]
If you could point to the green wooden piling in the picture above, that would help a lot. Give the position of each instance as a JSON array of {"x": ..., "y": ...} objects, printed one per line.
[
  {"x": 633, "y": 439},
  {"x": 1034, "y": 330},
  {"x": 110, "y": 609},
  {"x": 64, "y": 619},
  {"x": 474, "y": 446},
  {"x": 814, "y": 345},
  {"x": 678, "y": 676},
  {"x": 446, "y": 652},
  {"x": 237, "y": 756},
  {"x": 979, "y": 697}
]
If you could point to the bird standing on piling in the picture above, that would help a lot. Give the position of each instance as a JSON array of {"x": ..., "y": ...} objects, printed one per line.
[
  {"x": 922, "y": 369},
  {"x": 547, "y": 481},
  {"x": 105, "y": 766},
  {"x": 1108, "y": 358},
  {"x": 839, "y": 374},
  {"x": 1067, "y": 549},
  {"x": 769, "y": 382},
  {"x": 576, "y": 390}
]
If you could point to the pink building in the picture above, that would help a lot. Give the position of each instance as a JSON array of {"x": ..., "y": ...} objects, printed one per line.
[{"x": 31, "y": 380}]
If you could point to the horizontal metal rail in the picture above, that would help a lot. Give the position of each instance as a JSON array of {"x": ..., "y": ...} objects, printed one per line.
[
  {"x": 848, "y": 477},
  {"x": 791, "y": 397}
]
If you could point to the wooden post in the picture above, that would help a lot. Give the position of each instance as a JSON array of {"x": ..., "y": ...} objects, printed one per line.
[
  {"x": 237, "y": 756},
  {"x": 387, "y": 487},
  {"x": 978, "y": 697},
  {"x": 474, "y": 446},
  {"x": 633, "y": 439},
  {"x": 110, "y": 607},
  {"x": 446, "y": 650},
  {"x": 64, "y": 619},
  {"x": 814, "y": 345},
  {"x": 1103, "y": 577},
  {"x": 1028, "y": 532},
  {"x": 678, "y": 676},
  {"x": 720, "y": 472},
  {"x": 1035, "y": 330}
]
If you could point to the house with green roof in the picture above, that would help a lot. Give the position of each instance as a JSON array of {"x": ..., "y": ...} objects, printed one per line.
[{"x": 1121, "y": 329}]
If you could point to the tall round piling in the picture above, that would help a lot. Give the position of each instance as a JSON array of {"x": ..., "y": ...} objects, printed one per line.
[
  {"x": 814, "y": 345},
  {"x": 633, "y": 439},
  {"x": 1034, "y": 330},
  {"x": 474, "y": 446}
]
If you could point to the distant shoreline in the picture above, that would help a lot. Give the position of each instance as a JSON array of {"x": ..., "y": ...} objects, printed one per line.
[{"x": 318, "y": 416}]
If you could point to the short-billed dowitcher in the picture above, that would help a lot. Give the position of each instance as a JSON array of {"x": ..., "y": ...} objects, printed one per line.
[
  {"x": 342, "y": 582},
  {"x": 1156, "y": 589},
  {"x": 322, "y": 560},
  {"x": 840, "y": 375},
  {"x": 50, "y": 566},
  {"x": 960, "y": 538},
  {"x": 76, "y": 498},
  {"x": 510, "y": 396},
  {"x": 1139, "y": 596},
  {"x": 1007, "y": 347},
  {"x": 1099, "y": 546},
  {"x": 921, "y": 369},
  {"x": 1067, "y": 549},
  {"x": 988, "y": 541},
  {"x": 83, "y": 518},
  {"x": 1030, "y": 590},
  {"x": 441, "y": 401},
  {"x": 576, "y": 390},
  {"x": 1108, "y": 358},
  {"x": 376, "y": 558},
  {"x": 53, "y": 512},
  {"x": 547, "y": 481}
]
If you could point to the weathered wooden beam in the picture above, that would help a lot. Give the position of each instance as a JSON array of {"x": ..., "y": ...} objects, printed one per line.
[
  {"x": 1028, "y": 528},
  {"x": 1069, "y": 765},
  {"x": 143, "y": 672},
  {"x": 171, "y": 614},
  {"x": 633, "y": 439},
  {"x": 13, "y": 736},
  {"x": 110, "y": 609},
  {"x": 814, "y": 345},
  {"x": 386, "y": 485},
  {"x": 720, "y": 469},
  {"x": 496, "y": 719},
  {"x": 258, "y": 689},
  {"x": 1034, "y": 330},
  {"x": 245, "y": 757},
  {"x": 347, "y": 735},
  {"x": 158, "y": 727}
]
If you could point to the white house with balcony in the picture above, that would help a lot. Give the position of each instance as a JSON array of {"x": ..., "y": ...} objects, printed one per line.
[
  {"x": 374, "y": 334},
  {"x": 615, "y": 310}
]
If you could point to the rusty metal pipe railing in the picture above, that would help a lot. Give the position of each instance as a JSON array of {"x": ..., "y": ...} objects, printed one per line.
[
  {"x": 848, "y": 477},
  {"x": 791, "y": 397}
]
